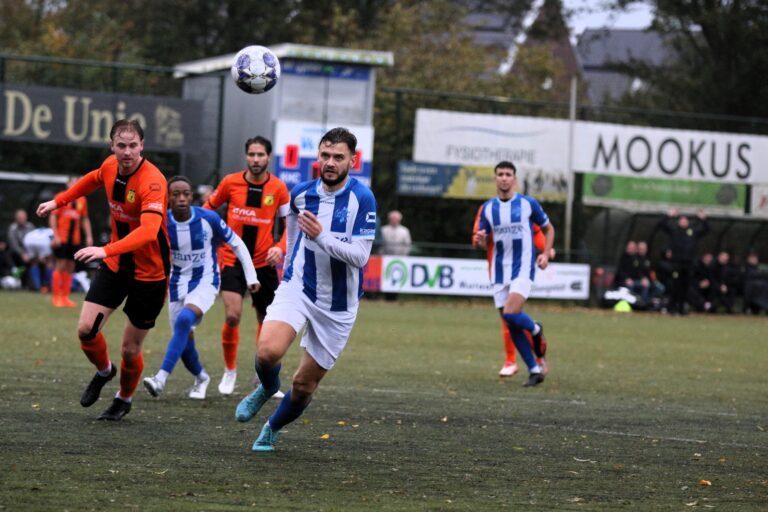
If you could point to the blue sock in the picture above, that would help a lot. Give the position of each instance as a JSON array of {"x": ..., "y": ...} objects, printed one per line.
[
  {"x": 191, "y": 358},
  {"x": 34, "y": 277},
  {"x": 181, "y": 329},
  {"x": 523, "y": 346},
  {"x": 269, "y": 377},
  {"x": 520, "y": 320},
  {"x": 286, "y": 412}
]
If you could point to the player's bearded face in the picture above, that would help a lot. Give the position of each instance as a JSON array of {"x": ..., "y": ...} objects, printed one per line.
[
  {"x": 335, "y": 162},
  {"x": 257, "y": 158}
]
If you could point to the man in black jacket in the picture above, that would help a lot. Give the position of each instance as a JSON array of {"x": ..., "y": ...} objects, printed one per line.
[{"x": 683, "y": 237}]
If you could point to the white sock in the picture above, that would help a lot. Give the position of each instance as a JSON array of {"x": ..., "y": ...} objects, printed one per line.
[
  {"x": 117, "y": 395},
  {"x": 105, "y": 373},
  {"x": 536, "y": 329},
  {"x": 162, "y": 376},
  {"x": 535, "y": 369},
  {"x": 202, "y": 375}
]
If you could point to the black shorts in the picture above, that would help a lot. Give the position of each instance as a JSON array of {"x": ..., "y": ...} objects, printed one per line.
[
  {"x": 66, "y": 251},
  {"x": 144, "y": 301},
  {"x": 233, "y": 280}
]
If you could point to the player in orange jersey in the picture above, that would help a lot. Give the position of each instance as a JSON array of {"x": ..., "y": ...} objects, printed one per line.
[
  {"x": 257, "y": 203},
  {"x": 68, "y": 224},
  {"x": 539, "y": 343},
  {"x": 135, "y": 263}
]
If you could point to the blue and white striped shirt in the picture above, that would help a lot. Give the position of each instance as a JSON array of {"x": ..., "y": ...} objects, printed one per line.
[
  {"x": 348, "y": 215},
  {"x": 511, "y": 224},
  {"x": 193, "y": 251}
]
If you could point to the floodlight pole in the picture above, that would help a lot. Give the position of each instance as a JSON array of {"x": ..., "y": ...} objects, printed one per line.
[{"x": 571, "y": 175}]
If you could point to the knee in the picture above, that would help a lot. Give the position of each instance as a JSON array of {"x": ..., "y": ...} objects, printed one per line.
[
  {"x": 302, "y": 387},
  {"x": 232, "y": 319},
  {"x": 267, "y": 355},
  {"x": 184, "y": 321},
  {"x": 88, "y": 329},
  {"x": 514, "y": 319},
  {"x": 130, "y": 352}
]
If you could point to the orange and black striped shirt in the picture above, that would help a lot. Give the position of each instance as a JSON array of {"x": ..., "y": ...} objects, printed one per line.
[
  {"x": 69, "y": 219},
  {"x": 138, "y": 205},
  {"x": 251, "y": 212}
]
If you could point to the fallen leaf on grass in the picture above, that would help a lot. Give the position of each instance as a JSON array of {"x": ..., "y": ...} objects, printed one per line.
[
  {"x": 576, "y": 499},
  {"x": 585, "y": 460},
  {"x": 325, "y": 436},
  {"x": 444, "y": 419},
  {"x": 692, "y": 504},
  {"x": 36, "y": 406},
  {"x": 161, "y": 472},
  {"x": 704, "y": 483},
  {"x": 341, "y": 423}
]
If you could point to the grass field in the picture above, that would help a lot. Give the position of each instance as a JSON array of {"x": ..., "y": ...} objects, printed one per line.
[{"x": 639, "y": 412}]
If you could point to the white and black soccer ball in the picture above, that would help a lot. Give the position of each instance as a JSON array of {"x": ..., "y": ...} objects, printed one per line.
[{"x": 255, "y": 69}]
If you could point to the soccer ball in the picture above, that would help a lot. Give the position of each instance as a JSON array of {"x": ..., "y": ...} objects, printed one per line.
[{"x": 255, "y": 69}]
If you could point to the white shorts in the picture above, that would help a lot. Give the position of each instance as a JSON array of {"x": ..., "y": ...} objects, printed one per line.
[
  {"x": 520, "y": 286},
  {"x": 203, "y": 296},
  {"x": 38, "y": 244},
  {"x": 327, "y": 331}
]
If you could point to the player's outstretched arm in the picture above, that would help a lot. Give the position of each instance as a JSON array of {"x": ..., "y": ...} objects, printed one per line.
[
  {"x": 84, "y": 186},
  {"x": 241, "y": 251},
  {"x": 149, "y": 226}
]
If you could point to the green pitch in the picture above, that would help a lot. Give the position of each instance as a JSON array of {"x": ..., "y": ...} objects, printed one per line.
[{"x": 639, "y": 412}]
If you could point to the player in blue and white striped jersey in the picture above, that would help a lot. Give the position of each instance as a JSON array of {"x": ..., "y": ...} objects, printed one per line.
[
  {"x": 195, "y": 234},
  {"x": 509, "y": 218},
  {"x": 330, "y": 231}
]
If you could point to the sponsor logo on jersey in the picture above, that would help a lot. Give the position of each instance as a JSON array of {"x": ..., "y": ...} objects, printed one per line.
[
  {"x": 248, "y": 216},
  {"x": 513, "y": 229},
  {"x": 155, "y": 206}
]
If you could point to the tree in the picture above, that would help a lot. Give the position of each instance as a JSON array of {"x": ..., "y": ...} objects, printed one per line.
[{"x": 719, "y": 65}]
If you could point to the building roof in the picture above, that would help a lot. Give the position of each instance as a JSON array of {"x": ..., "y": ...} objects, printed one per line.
[
  {"x": 295, "y": 51},
  {"x": 599, "y": 50}
]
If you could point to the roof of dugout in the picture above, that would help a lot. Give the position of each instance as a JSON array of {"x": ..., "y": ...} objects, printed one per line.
[{"x": 290, "y": 50}]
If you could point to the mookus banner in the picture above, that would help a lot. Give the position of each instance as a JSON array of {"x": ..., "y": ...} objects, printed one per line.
[
  {"x": 541, "y": 145},
  {"x": 68, "y": 116}
]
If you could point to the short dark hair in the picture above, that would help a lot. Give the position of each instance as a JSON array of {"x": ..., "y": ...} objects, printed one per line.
[
  {"x": 338, "y": 135},
  {"x": 259, "y": 140},
  {"x": 179, "y": 178},
  {"x": 130, "y": 125},
  {"x": 505, "y": 164}
]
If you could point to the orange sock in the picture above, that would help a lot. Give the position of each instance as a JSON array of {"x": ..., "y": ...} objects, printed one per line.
[
  {"x": 230, "y": 338},
  {"x": 66, "y": 284},
  {"x": 130, "y": 373},
  {"x": 509, "y": 345},
  {"x": 96, "y": 351},
  {"x": 55, "y": 285}
]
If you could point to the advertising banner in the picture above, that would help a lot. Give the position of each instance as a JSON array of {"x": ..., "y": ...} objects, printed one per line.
[
  {"x": 670, "y": 154},
  {"x": 469, "y": 277},
  {"x": 540, "y": 145},
  {"x": 475, "y": 143},
  {"x": 295, "y": 150},
  {"x": 657, "y": 195},
  {"x": 759, "y": 201},
  {"x": 466, "y": 182},
  {"x": 67, "y": 116}
]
